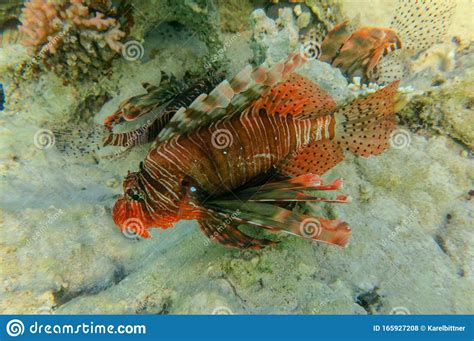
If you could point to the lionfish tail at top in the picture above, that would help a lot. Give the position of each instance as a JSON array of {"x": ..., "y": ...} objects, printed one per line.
[
  {"x": 380, "y": 54},
  {"x": 217, "y": 160}
]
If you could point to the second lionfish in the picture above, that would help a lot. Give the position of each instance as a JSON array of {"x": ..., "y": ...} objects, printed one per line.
[{"x": 244, "y": 153}]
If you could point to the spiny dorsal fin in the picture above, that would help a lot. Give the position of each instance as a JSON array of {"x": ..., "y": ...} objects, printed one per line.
[
  {"x": 163, "y": 112},
  {"x": 229, "y": 96},
  {"x": 298, "y": 97}
]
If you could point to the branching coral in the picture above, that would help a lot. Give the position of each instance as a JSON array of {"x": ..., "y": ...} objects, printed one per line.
[
  {"x": 70, "y": 37},
  {"x": 38, "y": 22}
]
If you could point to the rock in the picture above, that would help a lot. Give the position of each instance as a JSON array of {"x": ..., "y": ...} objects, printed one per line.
[
  {"x": 446, "y": 109},
  {"x": 200, "y": 17},
  {"x": 234, "y": 14},
  {"x": 303, "y": 20}
]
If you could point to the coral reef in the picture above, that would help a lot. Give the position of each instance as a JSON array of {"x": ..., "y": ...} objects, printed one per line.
[
  {"x": 411, "y": 211},
  {"x": 448, "y": 109},
  {"x": 234, "y": 15},
  {"x": 442, "y": 102},
  {"x": 200, "y": 17},
  {"x": 9, "y": 13},
  {"x": 439, "y": 57},
  {"x": 303, "y": 17},
  {"x": 71, "y": 38},
  {"x": 327, "y": 13},
  {"x": 272, "y": 40}
]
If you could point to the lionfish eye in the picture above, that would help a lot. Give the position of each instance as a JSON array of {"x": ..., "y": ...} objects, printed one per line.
[{"x": 134, "y": 194}]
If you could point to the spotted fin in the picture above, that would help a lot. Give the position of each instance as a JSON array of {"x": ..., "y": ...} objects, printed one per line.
[
  {"x": 390, "y": 68},
  {"x": 422, "y": 23},
  {"x": 364, "y": 126},
  {"x": 229, "y": 96},
  {"x": 78, "y": 140},
  {"x": 317, "y": 157},
  {"x": 419, "y": 25}
]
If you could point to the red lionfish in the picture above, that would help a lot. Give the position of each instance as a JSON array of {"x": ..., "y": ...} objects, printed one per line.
[
  {"x": 241, "y": 154},
  {"x": 374, "y": 52}
]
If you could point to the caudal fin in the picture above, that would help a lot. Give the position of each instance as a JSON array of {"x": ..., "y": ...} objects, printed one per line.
[{"x": 364, "y": 126}]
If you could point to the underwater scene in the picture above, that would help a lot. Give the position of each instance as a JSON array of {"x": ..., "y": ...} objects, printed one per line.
[{"x": 236, "y": 157}]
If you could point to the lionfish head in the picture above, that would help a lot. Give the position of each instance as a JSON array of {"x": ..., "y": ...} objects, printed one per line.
[{"x": 131, "y": 212}]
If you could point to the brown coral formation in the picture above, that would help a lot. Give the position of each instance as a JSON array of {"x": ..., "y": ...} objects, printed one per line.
[{"x": 72, "y": 38}]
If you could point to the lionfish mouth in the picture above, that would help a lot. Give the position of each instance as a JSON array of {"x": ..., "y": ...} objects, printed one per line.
[
  {"x": 133, "y": 220},
  {"x": 130, "y": 218}
]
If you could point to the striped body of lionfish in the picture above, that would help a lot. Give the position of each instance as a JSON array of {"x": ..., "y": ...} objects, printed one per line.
[{"x": 244, "y": 153}]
